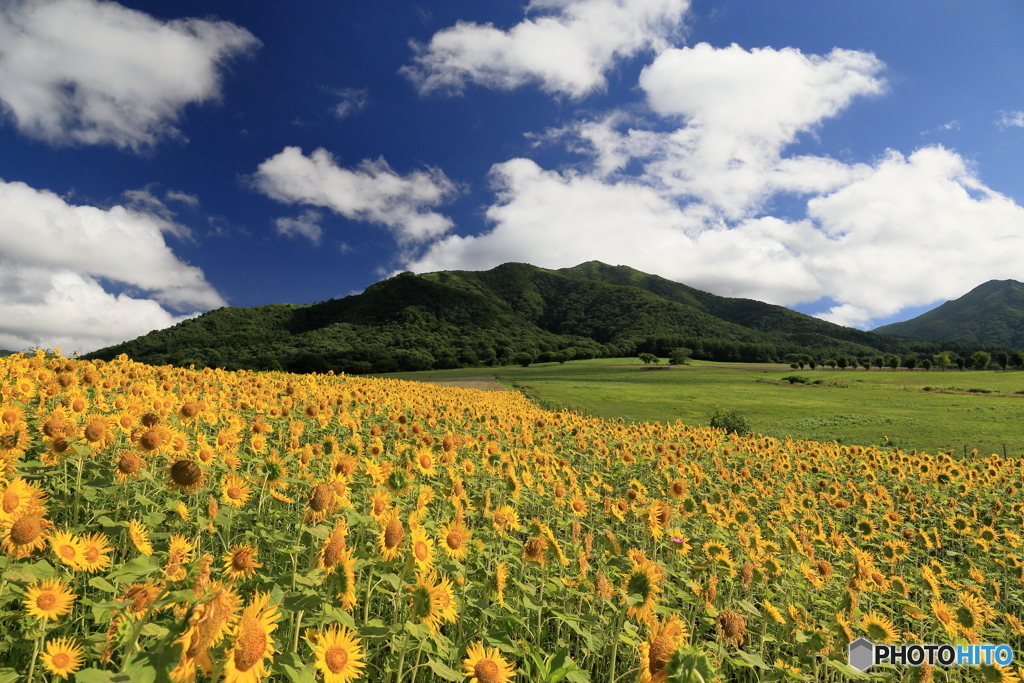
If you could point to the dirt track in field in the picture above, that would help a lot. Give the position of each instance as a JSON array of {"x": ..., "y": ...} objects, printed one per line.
[{"x": 486, "y": 383}]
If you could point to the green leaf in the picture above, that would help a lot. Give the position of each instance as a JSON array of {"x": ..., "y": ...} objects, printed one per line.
[
  {"x": 102, "y": 584},
  {"x": 335, "y": 615},
  {"x": 847, "y": 670},
  {"x": 528, "y": 603},
  {"x": 292, "y": 666},
  {"x": 753, "y": 659},
  {"x": 136, "y": 569},
  {"x": 90, "y": 675},
  {"x": 578, "y": 676},
  {"x": 444, "y": 671},
  {"x": 8, "y": 675},
  {"x": 107, "y": 523}
]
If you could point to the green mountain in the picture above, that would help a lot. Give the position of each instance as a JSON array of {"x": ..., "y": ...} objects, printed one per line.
[
  {"x": 454, "y": 319},
  {"x": 992, "y": 313}
]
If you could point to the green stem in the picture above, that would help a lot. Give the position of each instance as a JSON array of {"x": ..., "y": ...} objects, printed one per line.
[
  {"x": 295, "y": 631},
  {"x": 401, "y": 657},
  {"x": 615, "y": 642},
  {"x": 366, "y": 601},
  {"x": 78, "y": 491},
  {"x": 35, "y": 656}
]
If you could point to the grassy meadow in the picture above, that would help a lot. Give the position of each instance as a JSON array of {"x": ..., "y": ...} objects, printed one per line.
[
  {"x": 927, "y": 411},
  {"x": 165, "y": 525}
]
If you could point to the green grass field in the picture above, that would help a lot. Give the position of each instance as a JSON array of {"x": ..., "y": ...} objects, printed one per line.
[{"x": 914, "y": 409}]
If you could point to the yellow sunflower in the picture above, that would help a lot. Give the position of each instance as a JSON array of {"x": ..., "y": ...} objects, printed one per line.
[
  {"x": 240, "y": 562},
  {"x": 433, "y": 601},
  {"x": 486, "y": 665},
  {"x": 95, "y": 552},
  {"x": 339, "y": 654},
  {"x": 235, "y": 491},
  {"x": 251, "y": 643},
  {"x": 422, "y": 550},
  {"x": 453, "y": 538},
  {"x": 878, "y": 628},
  {"x": 48, "y": 600},
  {"x": 63, "y": 656},
  {"x": 68, "y": 549}
]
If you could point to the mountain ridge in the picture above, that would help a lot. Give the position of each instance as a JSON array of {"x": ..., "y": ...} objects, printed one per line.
[
  {"x": 450, "y": 319},
  {"x": 991, "y": 313}
]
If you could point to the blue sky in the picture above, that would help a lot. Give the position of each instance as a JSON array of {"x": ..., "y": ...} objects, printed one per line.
[{"x": 857, "y": 161}]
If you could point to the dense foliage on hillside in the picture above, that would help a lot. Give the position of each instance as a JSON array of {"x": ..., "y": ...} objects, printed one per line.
[
  {"x": 992, "y": 313},
  {"x": 459, "y": 318}
]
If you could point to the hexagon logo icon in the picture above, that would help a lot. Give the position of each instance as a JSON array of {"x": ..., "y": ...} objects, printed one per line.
[{"x": 861, "y": 654}]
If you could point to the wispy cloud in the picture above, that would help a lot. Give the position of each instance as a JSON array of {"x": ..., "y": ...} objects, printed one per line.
[
  {"x": 1010, "y": 118},
  {"x": 351, "y": 101}
]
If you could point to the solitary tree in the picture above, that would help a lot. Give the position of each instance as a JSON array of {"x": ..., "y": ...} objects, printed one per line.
[
  {"x": 878, "y": 362},
  {"x": 910, "y": 362},
  {"x": 981, "y": 359},
  {"x": 926, "y": 364},
  {"x": 1017, "y": 359},
  {"x": 960, "y": 362},
  {"x": 841, "y": 362},
  {"x": 865, "y": 362},
  {"x": 1003, "y": 359},
  {"x": 893, "y": 362},
  {"x": 523, "y": 358},
  {"x": 941, "y": 360},
  {"x": 648, "y": 358},
  {"x": 680, "y": 356}
]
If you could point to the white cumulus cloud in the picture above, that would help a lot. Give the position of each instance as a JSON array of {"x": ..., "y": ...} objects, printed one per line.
[
  {"x": 55, "y": 257},
  {"x": 566, "y": 48},
  {"x": 91, "y": 72},
  {"x": 307, "y": 225},
  {"x": 372, "y": 192}
]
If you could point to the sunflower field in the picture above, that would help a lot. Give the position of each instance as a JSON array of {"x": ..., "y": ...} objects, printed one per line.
[{"x": 163, "y": 524}]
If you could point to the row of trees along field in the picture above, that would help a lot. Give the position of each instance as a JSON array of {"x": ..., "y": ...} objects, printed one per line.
[{"x": 979, "y": 360}]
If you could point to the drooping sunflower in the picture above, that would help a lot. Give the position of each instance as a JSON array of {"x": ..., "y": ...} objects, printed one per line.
[
  {"x": 235, "y": 491},
  {"x": 140, "y": 537},
  {"x": 186, "y": 476},
  {"x": 19, "y": 497},
  {"x": 391, "y": 534},
  {"x": 251, "y": 642},
  {"x": 486, "y": 665},
  {"x": 422, "y": 550},
  {"x": 501, "y": 581},
  {"x": 505, "y": 519},
  {"x": 26, "y": 533},
  {"x": 659, "y": 517},
  {"x": 322, "y": 501},
  {"x": 878, "y": 628},
  {"x": 127, "y": 465},
  {"x": 339, "y": 654},
  {"x": 49, "y": 599},
  {"x": 208, "y": 624},
  {"x": 240, "y": 561},
  {"x": 346, "y": 579},
  {"x": 332, "y": 548},
  {"x": 433, "y": 601},
  {"x": 380, "y": 501},
  {"x": 453, "y": 538},
  {"x": 95, "y": 552},
  {"x": 63, "y": 656},
  {"x": 535, "y": 550},
  {"x": 643, "y": 581},
  {"x": 664, "y": 639}
]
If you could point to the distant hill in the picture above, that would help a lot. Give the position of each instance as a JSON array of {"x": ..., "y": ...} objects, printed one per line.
[
  {"x": 452, "y": 319},
  {"x": 992, "y": 313}
]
